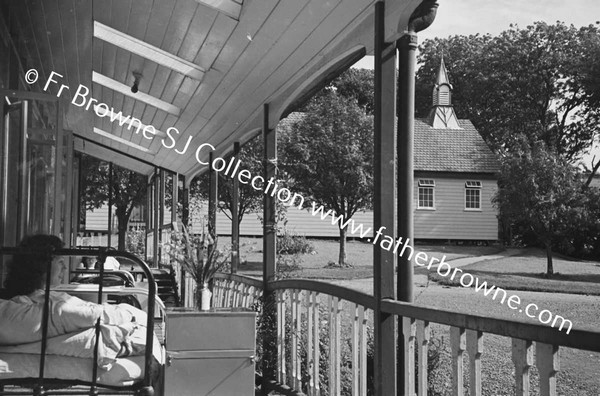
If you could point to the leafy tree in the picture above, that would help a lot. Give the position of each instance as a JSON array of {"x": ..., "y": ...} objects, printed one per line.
[
  {"x": 328, "y": 157},
  {"x": 352, "y": 83},
  {"x": 542, "y": 193},
  {"x": 250, "y": 199},
  {"x": 539, "y": 83},
  {"x": 128, "y": 191}
]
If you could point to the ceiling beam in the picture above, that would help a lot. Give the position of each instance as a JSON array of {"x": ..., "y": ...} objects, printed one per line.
[
  {"x": 119, "y": 139},
  {"x": 228, "y": 7},
  {"x": 119, "y": 119},
  {"x": 145, "y": 50},
  {"x": 141, "y": 96}
]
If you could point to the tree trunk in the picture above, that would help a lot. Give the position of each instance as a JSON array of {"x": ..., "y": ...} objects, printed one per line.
[
  {"x": 342, "y": 258},
  {"x": 122, "y": 230},
  {"x": 550, "y": 269}
]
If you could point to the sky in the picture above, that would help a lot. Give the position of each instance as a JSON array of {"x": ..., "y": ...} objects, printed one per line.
[{"x": 493, "y": 16}]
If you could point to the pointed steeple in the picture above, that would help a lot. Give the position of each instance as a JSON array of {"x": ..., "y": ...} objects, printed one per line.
[{"x": 442, "y": 115}]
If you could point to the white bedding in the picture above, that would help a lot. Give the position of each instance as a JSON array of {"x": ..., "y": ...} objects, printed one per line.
[
  {"x": 71, "y": 340},
  {"x": 123, "y": 371}
]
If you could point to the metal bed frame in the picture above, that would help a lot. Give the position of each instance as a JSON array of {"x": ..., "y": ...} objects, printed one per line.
[{"x": 43, "y": 386}]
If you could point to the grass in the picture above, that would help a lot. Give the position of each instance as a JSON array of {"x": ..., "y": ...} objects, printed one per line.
[
  {"x": 527, "y": 272},
  {"x": 359, "y": 256}
]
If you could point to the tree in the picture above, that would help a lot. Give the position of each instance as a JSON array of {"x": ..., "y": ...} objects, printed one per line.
[
  {"x": 128, "y": 191},
  {"x": 250, "y": 199},
  {"x": 352, "y": 83},
  {"x": 328, "y": 157},
  {"x": 540, "y": 83},
  {"x": 542, "y": 193}
]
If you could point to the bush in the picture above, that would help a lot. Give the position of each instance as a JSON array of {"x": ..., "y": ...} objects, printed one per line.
[
  {"x": 267, "y": 330},
  {"x": 286, "y": 264},
  {"x": 290, "y": 243}
]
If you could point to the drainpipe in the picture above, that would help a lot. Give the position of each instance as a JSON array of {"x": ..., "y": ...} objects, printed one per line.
[{"x": 420, "y": 19}]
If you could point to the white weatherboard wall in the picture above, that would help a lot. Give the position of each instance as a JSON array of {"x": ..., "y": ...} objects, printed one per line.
[{"x": 450, "y": 220}]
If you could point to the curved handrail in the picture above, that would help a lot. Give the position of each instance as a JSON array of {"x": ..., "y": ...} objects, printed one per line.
[
  {"x": 240, "y": 278},
  {"x": 578, "y": 339},
  {"x": 104, "y": 252},
  {"x": 340, "y": 292}
]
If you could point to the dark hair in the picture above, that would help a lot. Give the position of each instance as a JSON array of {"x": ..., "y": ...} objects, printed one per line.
[{"x": 27, "y": 270}]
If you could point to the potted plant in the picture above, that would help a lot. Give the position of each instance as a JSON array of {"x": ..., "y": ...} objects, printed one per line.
[{"x": 198, "y": 256}]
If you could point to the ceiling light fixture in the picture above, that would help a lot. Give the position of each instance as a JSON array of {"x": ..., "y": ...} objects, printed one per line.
[{"x": 137, "y": 77}]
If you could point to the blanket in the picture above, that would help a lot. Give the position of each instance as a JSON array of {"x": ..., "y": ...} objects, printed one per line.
[{"x": 21, "y": 317}]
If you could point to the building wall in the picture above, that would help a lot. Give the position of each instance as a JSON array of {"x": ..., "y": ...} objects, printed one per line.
[{"x": 450, "y": 220}]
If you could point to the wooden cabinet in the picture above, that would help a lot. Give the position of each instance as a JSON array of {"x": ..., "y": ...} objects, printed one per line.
[{"x": 210, "y": 352}]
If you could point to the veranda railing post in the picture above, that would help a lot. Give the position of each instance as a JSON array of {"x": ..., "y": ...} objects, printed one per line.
[
  {"x": 235, "y": 225},
  {"x": 269, "y": 243},
  {"x": 384, "y": 205}
]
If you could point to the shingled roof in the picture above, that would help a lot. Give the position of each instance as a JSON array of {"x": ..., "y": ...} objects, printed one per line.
[
  {"x": 452, "y": 150},
  {"x": 441, "y": 150}
]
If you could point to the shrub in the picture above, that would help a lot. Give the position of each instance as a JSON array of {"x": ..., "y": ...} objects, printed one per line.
[
  {"x": 290, "y": 243},
  {"x": 267, "y": 330}
]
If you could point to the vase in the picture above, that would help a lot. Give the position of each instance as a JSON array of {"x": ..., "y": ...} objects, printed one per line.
[{"x": 205, "y": 296}]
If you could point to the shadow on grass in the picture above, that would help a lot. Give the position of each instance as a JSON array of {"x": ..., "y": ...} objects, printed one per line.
[{"x": 537, "y": 282}]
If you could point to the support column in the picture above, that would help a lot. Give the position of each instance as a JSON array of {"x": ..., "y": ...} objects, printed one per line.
[
  {"x": 384, "y": 203},
  {"x": 174, "y": 196},
  {"x": 213, "y": 199},
  {"x": 110, "y": 203},
  {"x": 406, "y": 125},
  {"x": 269, "y": 251},
  {"x": 420, "y": 19},
  {"x": 161, "y": 211},
  {"x": 235, "y": 225},
  {"x": 185, "y": 210},
  {"x": 155, "y": 224}
]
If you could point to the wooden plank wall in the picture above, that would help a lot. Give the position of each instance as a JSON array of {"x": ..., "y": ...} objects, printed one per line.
[{"x": 450, "y": 220}]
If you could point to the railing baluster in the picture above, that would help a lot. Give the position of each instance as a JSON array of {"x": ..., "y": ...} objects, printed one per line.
[
  {"x": 281, "y": 369},
  {"x": 356, "y": 324},
  {"x": 522, "y": 357},
  {"x": 423, "y": 337},
  {"x": 409, "y": 334},
  {"x": 244, "y": 302},
  {"x": 363, "y": 351},
  {"x": 317, "y": 346},
  {"x": 547, "y": 361},
  {"x": 475, "y": 349},
  {"x": 309, "y": 342},
  {"x": 458, "y": 344},
  {"x": 296, "y": 316},
  {"x": 334, "y": 346}
]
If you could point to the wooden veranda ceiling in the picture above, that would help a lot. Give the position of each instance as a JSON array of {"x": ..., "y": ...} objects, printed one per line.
[{"x": 206, "y": 66}]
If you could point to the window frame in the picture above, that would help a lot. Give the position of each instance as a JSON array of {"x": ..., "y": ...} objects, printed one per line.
[
  {"x": 472, "y": 186},
  {"x": 426, "y": 184}
]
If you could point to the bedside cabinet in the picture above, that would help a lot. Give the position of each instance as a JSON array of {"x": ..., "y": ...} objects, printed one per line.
[{"x": 210, "y": 352}]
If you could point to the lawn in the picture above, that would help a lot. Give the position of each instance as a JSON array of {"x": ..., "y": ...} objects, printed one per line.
[
  {"x": 579, "y": 370},
  {"x": 359, "y": 256},
  {"x": 527, "y": 272}
]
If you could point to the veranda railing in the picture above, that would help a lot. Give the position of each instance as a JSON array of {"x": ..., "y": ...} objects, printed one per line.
[{"x": 310, "y": 312}]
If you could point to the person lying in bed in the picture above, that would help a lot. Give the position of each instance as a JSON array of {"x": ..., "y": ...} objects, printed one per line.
[{"x": 20, "y": 317}]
